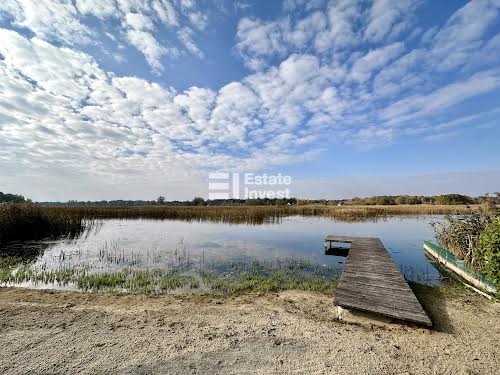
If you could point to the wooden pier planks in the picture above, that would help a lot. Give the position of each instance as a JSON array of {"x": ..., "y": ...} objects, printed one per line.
[{"x": 371, "y": 282}]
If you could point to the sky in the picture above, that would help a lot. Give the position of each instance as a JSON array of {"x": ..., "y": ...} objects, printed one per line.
[{"x": 129, "y": 99}]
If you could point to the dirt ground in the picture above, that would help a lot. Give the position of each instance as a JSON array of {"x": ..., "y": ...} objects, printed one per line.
[{"x": 293, "y": 332}]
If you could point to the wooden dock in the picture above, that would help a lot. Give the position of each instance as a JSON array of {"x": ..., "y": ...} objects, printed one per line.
[{"x": 371, "y": 282}]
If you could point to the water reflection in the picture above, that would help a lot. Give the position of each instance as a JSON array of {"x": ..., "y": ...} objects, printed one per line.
[
  {"x": 146, "y": 244},
  {"x": 16, "y": 252}
]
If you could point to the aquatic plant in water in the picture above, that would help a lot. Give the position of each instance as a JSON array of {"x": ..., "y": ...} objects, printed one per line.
[
  {"x": 127, "y": 280},
  {"x": 267, "y": 276},
  {"x": 221, "y": 277}
]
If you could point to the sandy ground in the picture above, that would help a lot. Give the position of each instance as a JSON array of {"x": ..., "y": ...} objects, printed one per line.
[{"x": 291, "y": 332}]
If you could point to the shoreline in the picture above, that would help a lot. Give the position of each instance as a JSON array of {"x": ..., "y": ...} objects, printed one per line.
[{"x": 292, "y": 331}]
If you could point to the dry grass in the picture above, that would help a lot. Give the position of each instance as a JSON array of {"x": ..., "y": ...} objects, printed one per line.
[
  {"x": 30, "y": 221},
  {"x": 258, "y": 214}
]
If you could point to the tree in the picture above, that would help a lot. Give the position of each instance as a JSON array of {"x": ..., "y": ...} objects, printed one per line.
[
  {"x": 198, "y": 201},
  {"x": 447, "y": 199},
  {"x": 160, "y": 200},
  {"x": 402, "y": 199},
  {"x": 385, "y": 200},
  {"x": 13, "y": 198}
]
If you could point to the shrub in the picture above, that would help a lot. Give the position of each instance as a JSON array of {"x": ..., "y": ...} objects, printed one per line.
[
  {"x": 460, "y": 234},
  {"x": 453, "y": 199},
  {"x": 488, "y": 249}
]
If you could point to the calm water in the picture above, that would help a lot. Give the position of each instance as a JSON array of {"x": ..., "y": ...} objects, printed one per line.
[{"x": 147, "y": 244}]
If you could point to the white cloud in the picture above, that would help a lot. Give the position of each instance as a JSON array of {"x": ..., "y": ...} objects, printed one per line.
[
  {"x": 386, "y": 16},
  {"x": 187, "y": 4},
  {"x": 149, "y": 46},
  {"x": 10, "y": 8},
  {"x": 138, "y": 21},
  {"x": 291, "y": 5},
  {"x": 65, "y": 22},
  {"x": 258, "y": 39},
  {"x": 166, "y": 12},
  {"x": 374, "y": 60},
  {"x": 198, "y": 102},
  {"x": 305, "y": 29},
  {"x": 135, "y": 6},
  {"x": 127, "y": 129},
  {"x": 338, "y": 72},
  {"x": 298, "y": 69},
  {"x": 341, "y": 33},
  {"x": 101, "y": 9},
  {"x": 463, "y": 33},
  {"x": 50, "y": 20},
  {"x": 400, "y": 75},
  {"x": 186, "y": 37},
  {"x": 447, "y": 96},
  {"x": 198, "y": 19}
]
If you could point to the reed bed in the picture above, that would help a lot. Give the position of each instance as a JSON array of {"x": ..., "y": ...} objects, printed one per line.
[
  {"x": 257, "y": 214},
  {"x": 30, "y": 221}
]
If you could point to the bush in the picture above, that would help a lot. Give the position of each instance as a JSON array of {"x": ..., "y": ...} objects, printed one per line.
[
  {"x": 453, "y": 199},
  {"x": 13, "y": 198},
  {"x": 460, "y": 234},
  {"x": 488, "y": 250}
]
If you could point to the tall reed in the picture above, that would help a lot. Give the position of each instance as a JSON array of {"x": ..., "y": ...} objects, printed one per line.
[
  {"x": 257, "y": 214},
  {"x": 29, "y": 221}
]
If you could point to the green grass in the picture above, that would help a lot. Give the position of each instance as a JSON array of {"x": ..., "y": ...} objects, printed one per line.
[
  {"x": 235, "y": 277},
  {"x": 127, "y": 280},
  {"x": 134, "y": 281},
  {"x": 9, "y": 261},
  {"x": 271, "y": 277},
  {"x": 275, "y": 282}
]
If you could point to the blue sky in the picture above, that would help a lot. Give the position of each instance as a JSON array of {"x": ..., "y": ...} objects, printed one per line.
[{"x": 132, "y": 99}]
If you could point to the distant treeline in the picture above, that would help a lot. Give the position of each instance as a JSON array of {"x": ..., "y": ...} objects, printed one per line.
[
  {"x": 198, "y": 201},
  {"x": 384, "y": 200}
]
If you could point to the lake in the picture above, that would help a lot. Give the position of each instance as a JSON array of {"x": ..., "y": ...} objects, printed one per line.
[{"x": 196, "y": 246}]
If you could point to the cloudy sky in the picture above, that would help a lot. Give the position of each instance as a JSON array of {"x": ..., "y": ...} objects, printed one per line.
[{"x": 131, "y": 99}]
